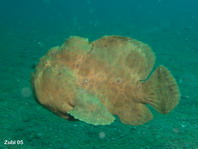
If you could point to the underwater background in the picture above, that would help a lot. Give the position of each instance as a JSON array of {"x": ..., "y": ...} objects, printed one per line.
[{"x": 29, "y": 28}]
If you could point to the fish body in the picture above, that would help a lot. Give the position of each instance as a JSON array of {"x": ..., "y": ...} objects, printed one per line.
[{"x": 93, "y": 81}]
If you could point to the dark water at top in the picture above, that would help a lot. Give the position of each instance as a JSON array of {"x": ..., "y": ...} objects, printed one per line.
[{"x": 99, "y": 16}]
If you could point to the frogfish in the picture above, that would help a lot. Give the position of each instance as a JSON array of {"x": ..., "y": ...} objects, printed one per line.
[{"x": 111, "y": 76}]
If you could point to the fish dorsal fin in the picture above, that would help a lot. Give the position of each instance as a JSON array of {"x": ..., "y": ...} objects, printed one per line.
[{"x": 125, "y": 54}]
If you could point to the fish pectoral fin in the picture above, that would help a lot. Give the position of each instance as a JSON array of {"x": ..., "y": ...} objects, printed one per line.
[
  {"x": 90, "y": 110},
  {"x": 134, "y": 113}
]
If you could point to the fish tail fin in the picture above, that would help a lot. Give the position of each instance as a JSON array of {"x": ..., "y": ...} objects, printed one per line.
[{"x": 161, "y": 90}]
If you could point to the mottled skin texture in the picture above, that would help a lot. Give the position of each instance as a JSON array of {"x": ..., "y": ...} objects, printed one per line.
[{"x": 94, "y": 81}]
